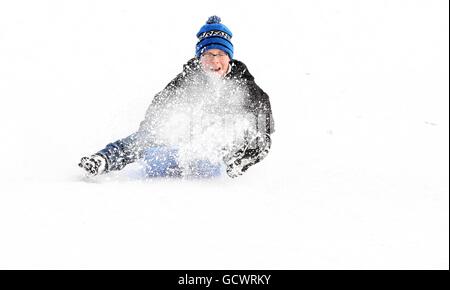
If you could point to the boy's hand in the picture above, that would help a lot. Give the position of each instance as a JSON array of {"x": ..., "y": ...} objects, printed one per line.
[
  {"x": 248, "y": 154},
  {"x": 236, "y": 163},
  {"x": 93, "y": 165},
  {"x": 237, "y": 168}
]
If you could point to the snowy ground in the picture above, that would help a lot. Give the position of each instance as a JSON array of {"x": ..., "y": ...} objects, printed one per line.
[{"x": 357, "y": 177}]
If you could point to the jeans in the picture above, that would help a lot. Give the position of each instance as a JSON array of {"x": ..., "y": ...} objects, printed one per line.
[{"x": 162, "y": 161}]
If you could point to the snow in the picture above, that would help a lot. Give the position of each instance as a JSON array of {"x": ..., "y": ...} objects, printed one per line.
[
  {"x": 357, "y": 177},
  {"x": 204, "y": 119}
]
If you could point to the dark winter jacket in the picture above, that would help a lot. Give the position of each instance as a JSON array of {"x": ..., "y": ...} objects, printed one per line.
[{"x": 127, "y": 150}]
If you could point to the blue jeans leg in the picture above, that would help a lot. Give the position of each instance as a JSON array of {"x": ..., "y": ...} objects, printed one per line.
[{"x": 162, "y": 161}]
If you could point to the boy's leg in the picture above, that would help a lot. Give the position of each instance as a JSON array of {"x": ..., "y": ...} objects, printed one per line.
[{"x": 161, "y": 161}]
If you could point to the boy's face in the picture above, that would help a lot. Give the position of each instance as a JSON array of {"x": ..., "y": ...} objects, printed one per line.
[{"x": 215, "y": 61}]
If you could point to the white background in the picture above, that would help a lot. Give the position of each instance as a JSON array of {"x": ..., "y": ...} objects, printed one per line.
[{"x": 357, "y": 177}]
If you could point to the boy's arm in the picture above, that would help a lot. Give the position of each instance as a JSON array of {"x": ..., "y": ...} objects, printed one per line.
[
  {"x": 118, "y": 154},
  {"x": 256, "y": 148}
]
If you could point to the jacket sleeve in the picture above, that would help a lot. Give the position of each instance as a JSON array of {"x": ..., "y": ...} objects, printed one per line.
[
  {"x": 258, "y": 102},
  {"x": 257, "y": 147},
  {"x": 260, "y": 105},
  {"x": 125, "y": 151}
]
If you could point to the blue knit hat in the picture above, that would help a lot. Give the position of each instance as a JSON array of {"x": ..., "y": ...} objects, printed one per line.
[{"x": 214, "y": 35}]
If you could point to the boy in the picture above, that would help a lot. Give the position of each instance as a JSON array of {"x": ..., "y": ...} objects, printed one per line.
[{"x": 213, "y": 71}]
